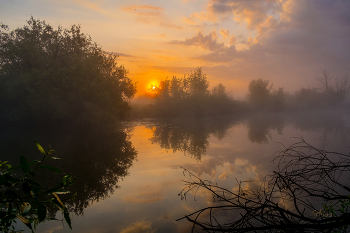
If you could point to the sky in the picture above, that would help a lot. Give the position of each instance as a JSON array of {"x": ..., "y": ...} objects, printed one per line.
[{"x": 288, "y": 42}]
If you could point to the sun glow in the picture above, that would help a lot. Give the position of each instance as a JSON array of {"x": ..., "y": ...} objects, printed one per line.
[{"x": 152, "y": 85}]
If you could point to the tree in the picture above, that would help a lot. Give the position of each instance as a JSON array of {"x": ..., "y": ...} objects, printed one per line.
[
  {"x": 289, "y": 200},
  {"x": 198, "y": 83},
  {"x": 259, "y": 92},
  {"x": 334, "y": 89},
  {"x": 59, "y": 74},
  {"x": 219, "y": 92},
  {"x": 278, "y": 99}
]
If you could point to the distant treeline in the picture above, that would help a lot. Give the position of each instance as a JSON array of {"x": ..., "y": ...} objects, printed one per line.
[{"x": 191, "y": 96}]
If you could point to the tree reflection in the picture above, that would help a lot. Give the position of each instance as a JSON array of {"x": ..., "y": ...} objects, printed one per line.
[
  {"x": 190, "y": 136},
  {"x": 329, "y": 126},
  {"x": 97, "y": 156},
  {"x": 259, "y": 127}
]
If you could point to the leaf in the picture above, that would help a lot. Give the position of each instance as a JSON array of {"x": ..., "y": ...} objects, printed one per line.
[
  {"x": 25, "y": 207},
  {"x": 61, "y": 191},
  {"x": 55, "y": 158},
  {"x": 51, "y": 168},
  {"x": 40, "y": 148},
  {"x": 33, "y": 193},
  {"x": 49, "y": 152},
  {"x": 23, "y": 219},
  {"x": 59, "y": 200},
  {"x": 24, "y": 164},
  {"x": 57, "y": 204},
  {"x": 67, "y": 180},
  {"x": 41, "y": 212},
  {"x": 67, "y": 218}
]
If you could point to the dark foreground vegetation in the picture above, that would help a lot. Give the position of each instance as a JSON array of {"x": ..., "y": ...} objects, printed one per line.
[
  {"x": 309, "y": 193},
  {"x": 24, "y": 199}
]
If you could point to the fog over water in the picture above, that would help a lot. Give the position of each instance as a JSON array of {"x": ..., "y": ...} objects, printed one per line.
[{"x": 130, "y": 184}]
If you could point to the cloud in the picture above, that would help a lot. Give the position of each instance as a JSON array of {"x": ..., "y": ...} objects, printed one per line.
[
  {"x": 253, "y": 12},
  {"x": 122, "y": 54},
  {"x": 224, "y": 175},
  {"x": 144, "y": 197},
  {"x": 233, "y": 40},
  {"x": 208, "y": 42},
  {"x": 290, "y": 50},
  {"x": 202, "y": 16},
  {"x": 150, "y": 14},
  {"x": 137, "y": 7},
  {"x": 225, "y": 33},
  {"x": 225, "y": 54},
  {"x": 138, "y": 227}
]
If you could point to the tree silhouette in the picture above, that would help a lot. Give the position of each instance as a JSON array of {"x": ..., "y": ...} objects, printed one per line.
[
  {"x": 259, "y": 92},
  {"x": 59, "y": 74}
]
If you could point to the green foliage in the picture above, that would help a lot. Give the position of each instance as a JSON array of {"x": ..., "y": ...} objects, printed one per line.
[
  {"x": 58, "y": 74},
  {"x": 24, "y": 199},
  {"x": 335, "y": 210}
]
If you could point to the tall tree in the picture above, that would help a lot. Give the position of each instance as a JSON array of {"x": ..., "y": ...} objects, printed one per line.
[
  {"x": 198, "y": 83},
  {"x": 259, "y": 92},
  {"x": 59, "y": 74}
]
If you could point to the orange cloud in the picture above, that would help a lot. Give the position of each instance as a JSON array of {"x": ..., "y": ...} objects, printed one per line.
[
  {"x": 225, "y": 33},
  {"x": 202, "y": 16},
  {"x": 136, "y": 7},
  {"x": 150, "y": 14},
  {"x": 139, "y": 226},
  {"x": 233, "y": 40},
  {"x": 208, "y": 42}
]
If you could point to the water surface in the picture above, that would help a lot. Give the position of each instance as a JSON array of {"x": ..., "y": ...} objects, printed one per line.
[{"x": 128, "y": 180}]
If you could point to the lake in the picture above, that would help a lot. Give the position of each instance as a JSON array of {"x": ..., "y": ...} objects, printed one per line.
[{"x": 128, "y": 179}]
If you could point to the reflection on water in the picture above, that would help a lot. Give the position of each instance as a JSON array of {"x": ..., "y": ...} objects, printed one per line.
[
  {"x": 259, "y": 127},
  {"x": 222, "y": 150},
  {"x": 98, "y": 157},
  {"x": 190, "y": 135}
]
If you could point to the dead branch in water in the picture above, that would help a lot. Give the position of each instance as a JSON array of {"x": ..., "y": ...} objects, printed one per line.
[{"x": 289, "y": 200}]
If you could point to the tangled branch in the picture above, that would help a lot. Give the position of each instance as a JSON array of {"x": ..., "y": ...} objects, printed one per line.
[{"x": 288, "y": 200}]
